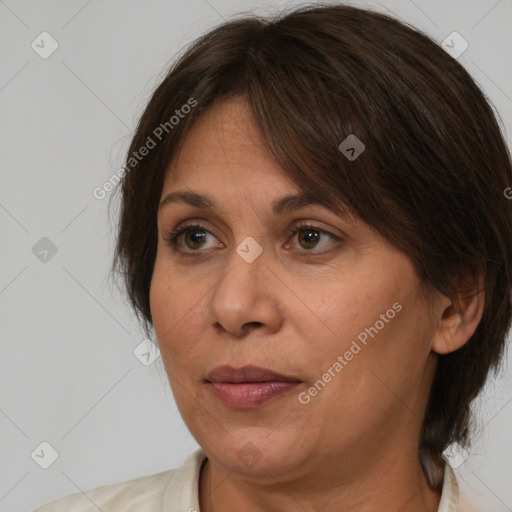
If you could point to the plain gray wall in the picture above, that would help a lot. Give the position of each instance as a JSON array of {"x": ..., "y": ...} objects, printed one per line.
[{"x": 68, "y": 375}]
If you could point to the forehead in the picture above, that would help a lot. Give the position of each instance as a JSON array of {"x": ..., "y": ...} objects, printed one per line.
[
  {"x": 224, "y": 158},
  {"x": 224, "y": 148}
]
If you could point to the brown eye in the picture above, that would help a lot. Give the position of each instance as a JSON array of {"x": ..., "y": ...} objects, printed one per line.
[
  {"x": 310, "y": 237},
  {"x": 191, "y": 240},
  {"x": 194, "y": 238}
]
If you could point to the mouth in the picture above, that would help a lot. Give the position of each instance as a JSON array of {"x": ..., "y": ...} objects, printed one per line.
[
  {"x": 248, "y": 387},
  {"x": 246, "y": 374}
]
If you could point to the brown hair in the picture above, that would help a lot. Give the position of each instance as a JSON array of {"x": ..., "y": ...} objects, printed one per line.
[{"x": 430, "y": 180}]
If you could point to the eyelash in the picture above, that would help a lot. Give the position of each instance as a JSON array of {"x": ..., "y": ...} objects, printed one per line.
[{"x": 171, "y": 238}]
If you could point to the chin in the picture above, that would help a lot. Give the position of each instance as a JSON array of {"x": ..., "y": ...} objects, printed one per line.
[{"x": 251, "y": 451}]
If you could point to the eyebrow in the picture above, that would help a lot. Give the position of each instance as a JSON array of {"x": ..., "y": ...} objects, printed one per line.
[{"x": 286, "y": 204}]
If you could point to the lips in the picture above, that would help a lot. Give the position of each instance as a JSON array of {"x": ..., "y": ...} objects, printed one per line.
[
  {"x": 246, "y": 374},
  {"x": 248, "y": 387}
]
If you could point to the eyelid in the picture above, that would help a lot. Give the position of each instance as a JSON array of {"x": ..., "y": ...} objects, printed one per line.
[
  {"x": 297, "y": 227},
  {"x": 171, "y": 236},
  {"x": 181, "y": 228}
]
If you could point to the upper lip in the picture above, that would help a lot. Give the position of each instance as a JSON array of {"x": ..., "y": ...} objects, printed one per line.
[{"x": 248, "y": 373}]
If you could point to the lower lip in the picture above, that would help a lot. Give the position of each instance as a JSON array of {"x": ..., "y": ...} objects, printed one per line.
[{"x": 248, "y": 395}]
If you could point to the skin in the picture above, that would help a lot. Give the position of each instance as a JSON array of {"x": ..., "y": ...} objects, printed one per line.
[{"x": 353, "y": 447}]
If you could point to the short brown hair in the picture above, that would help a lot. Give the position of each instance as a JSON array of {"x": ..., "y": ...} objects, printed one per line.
[{"x": 430, "y": 180}]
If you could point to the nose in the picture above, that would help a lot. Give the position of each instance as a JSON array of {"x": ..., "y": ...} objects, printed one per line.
[{"x": 246, "y": 297}]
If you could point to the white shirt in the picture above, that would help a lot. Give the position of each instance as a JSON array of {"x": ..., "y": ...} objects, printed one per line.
[{"x": 177, "y": 490}]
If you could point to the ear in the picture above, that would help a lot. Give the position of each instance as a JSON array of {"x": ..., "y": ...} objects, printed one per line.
[{"x": 458, "y": 319}]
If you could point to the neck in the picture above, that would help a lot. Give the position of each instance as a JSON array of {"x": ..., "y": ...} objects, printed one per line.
[{"x": 389, "y": 487}]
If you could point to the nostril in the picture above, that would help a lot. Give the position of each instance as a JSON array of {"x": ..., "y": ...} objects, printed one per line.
[{"x": 250, "y": 325}]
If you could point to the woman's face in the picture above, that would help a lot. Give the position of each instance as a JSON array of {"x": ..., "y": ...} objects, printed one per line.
[{"x": 333, "y": 307}]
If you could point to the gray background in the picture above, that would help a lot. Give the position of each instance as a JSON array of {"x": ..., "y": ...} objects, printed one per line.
[{"x": 68, "y": 374}]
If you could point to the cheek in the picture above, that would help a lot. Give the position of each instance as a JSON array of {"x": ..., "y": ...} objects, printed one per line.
[
  {"x": 376, "y": 318},
  {"x": 176, "y": 311},
  {"x": 168, "y": 296},
  {"x": 166, "y": 310},
  {"x": 351, "y": 304},
  {"x": 161, "y": 301}
]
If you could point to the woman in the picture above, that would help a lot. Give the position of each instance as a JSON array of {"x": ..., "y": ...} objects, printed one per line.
[{"x": 314, "y": 224}]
